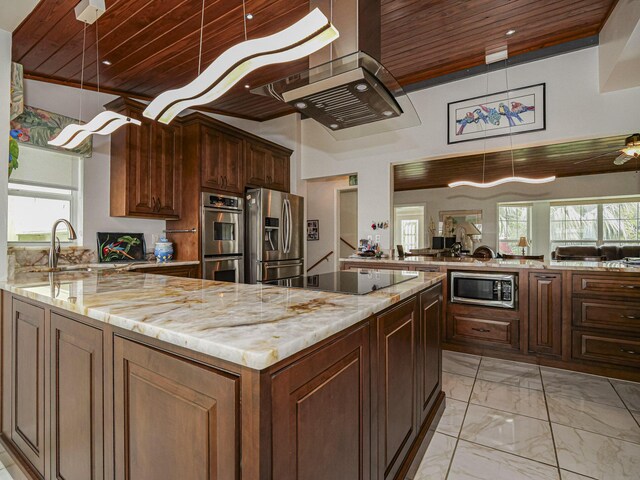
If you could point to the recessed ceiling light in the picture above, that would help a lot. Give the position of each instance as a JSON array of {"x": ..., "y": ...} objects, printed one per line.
[
  {"x": 300, "y": 105},
  {"x": 249, "y": 16},
  {"x": 106, "y": 62},
  {"x": 510, "y": 32}
]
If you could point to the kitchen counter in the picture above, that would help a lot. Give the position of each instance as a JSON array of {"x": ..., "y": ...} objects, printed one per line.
[
  {"x": 412, "y": 262},
  {"x": 249, "y": 325},
  {"x": 123, "y": 266}
]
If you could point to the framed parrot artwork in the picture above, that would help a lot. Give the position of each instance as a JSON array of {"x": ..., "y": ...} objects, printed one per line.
[
  {"x": 518, "y": 110},
  {"x": 120, "y": 247}
]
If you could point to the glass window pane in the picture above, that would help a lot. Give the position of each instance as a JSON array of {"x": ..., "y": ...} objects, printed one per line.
[{"x": 30, "y": 219}]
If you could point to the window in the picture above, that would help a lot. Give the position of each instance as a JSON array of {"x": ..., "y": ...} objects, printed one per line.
[
  {"x": 43, "y": 189},
  {"x": 620, "y": 223},
  {"x": 409, "y": 235},
  {"x": 514, "y": 222},
  {"x": 409, "y": 222},
  {"x": 574, "y": 225}
]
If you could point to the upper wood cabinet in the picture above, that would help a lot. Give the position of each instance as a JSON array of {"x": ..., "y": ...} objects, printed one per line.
[
  {"x": 267, "y": 166},
  {"x": 221, "y": 160},
  {"x": 145, "y": 166}
]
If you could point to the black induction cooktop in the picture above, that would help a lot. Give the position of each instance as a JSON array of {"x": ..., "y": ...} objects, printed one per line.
[{"x": 350, "y": 282}]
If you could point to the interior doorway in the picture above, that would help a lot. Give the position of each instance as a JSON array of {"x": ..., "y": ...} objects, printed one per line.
[{"x": 347, "y": 231}]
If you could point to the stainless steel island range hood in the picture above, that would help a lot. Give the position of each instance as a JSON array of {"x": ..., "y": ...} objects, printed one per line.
[{"x": 346, "y": 89}]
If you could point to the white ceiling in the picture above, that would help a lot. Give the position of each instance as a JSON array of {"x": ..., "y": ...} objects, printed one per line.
[{"x": 14, "y": 11}]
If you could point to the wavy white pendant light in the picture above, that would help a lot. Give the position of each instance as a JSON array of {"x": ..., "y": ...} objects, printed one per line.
[
  {"x": 301, "y": 39},
  {"x": 104, "y": 123},
  {"x": 513, "y": 178}
]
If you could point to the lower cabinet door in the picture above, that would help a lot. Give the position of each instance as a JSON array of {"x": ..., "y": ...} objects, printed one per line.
[
  {"x": 429, "y": 351},
  {"x": 77, "y": 396},
  {"x": 320, "y": 413},
  {"x": 396, "y": 389},
  {"x": 29, "y": 428},
  {"x": 174, "y": 418}
]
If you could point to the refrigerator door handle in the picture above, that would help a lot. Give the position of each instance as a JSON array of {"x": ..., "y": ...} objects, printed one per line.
[
  {"x": 298, "y": 264},
  {"x": 284, "y": 226},
  {"x": 289, "y": 222}
]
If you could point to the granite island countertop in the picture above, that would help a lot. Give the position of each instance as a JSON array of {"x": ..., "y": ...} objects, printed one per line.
[
  {"x": 495, "y": 263},
  {"x": 251, "y": 325}
]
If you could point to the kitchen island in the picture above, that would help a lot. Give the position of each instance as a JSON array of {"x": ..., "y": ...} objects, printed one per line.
[
  {"x": 126, "y": 375},
  {"x": 574, "y": 315}
]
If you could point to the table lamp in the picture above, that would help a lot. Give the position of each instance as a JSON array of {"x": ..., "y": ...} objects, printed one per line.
[{"x": 523, "y": 243}]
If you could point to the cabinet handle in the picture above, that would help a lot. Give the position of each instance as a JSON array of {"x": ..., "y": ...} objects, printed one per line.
[
  {"x": 159, "y": 204},
  {"x": 226, "y": 181},
  {"x": 483, "y": 330},
  {"x": 153, "y": 204},
  {"x": 221, "y": 180},
  {"x": 629, "y": 286},
  {"x": 548, "y": 277},
  {"x": 630, "y": 317},
  {"x": 630, "y": 352}
]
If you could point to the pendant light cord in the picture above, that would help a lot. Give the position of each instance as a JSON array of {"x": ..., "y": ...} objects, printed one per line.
[
  {"x": 484, "y": 152},
  {"x": 97, "y": 56},
  {"x": 506, "y": 77},
  {"x": 201, "y": 33},
  {"x": 244, "y": 19},
  {"x": 84, "y": 42}
]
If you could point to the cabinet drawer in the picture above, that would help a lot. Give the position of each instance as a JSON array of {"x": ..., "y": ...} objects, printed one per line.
[
  {"x": 607, "y": 285},
  {"x": 609, "y": 314},
  {"x": 467, "y": 327},
  {"x": 618, "y": 350}
]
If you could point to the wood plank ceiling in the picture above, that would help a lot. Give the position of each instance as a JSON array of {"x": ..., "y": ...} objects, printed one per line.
[
  {"x": 153, "y": 45},
  {"x": 585, "y": 157}
]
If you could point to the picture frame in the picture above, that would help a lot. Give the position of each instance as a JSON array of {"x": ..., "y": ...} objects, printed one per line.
[
  {"x": 313, "y": 230},
  {"x": 120, "y": 247},
  {"x": 514, "y": 111}
]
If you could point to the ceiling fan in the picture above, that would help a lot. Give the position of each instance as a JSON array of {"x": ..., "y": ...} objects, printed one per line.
[{"x": 630, "y": 151}]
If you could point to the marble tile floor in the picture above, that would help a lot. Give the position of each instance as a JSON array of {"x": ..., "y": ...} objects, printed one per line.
[
  {"x": 8, "y": 468},
  {"x": 514, "y": 421}
]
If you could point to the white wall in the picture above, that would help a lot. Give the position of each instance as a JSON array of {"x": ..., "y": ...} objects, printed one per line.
[
  {"x": 322, "y": 201},
  {"x": 469, "y": 198},
  {"x": 65, "y": 100},
  {"x": 348, "y": 206},
  {"x": 5, "y": 99},
  {"x": 575, "y": 110}
]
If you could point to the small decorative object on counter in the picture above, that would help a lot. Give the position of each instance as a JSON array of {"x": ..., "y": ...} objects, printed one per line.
[{"x": 163, "y": 250}]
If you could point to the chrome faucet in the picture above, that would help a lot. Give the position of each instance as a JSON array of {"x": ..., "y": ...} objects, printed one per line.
[{"x": 54, "y": 251}]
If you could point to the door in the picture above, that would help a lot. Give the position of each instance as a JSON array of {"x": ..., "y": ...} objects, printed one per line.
[
  {"x": 173, "y": 418},
  {"x": 221, "y": 232},
  {"x": 256, "y": 165},
  {"x": 348, "y": 233},
  {"x": 321, "y": 413},
  {"x": 224, "y": 269},
  {"x": 222, "y": 160},
  {"x": 141, "y": 198},
  {"x": 29, "y": 428},
  {"x": 396, "y": 390},
  {"x": 428, "y": 351},
  {"x": 278, "y": 171},
  {"x": 77, "y": 384},
  {"x": 165, "y": 173},
  {"x": 545, "y": 313}
]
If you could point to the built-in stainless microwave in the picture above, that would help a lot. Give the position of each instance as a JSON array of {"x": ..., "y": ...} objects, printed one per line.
[{"x": 486, "y": 289}]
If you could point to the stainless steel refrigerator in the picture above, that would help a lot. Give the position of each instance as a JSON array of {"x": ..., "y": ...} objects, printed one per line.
[{"x": 274, "y": 245}]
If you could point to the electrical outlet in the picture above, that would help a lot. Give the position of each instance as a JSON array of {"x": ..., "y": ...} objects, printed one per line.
[{"x": 378, "y": 238}]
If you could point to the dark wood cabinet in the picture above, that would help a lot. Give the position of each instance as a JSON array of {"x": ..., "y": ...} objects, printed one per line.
[
  {"x": 545, "y": 313},
  {"x": 429, "y": 353},
  {"x": 77, "y": 396},
  {"x": 145, "y": 166},
  {"x": 221, "y": 160},
  {"x": 173, "y": 418},
  {"x": 396, "y": 388},
  {"x": 29, "y": 428},
  {"x": 267, "y": 167},
  {"x": 320, "y": 413},
  {"x": 185, "y": 271},
  {"x": 487, "y": 327}
]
